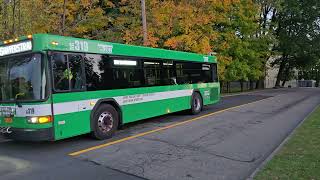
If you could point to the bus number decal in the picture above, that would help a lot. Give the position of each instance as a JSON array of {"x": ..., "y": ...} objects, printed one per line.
[
  {"x": 30, "y": 111},
  {"x": 79, "y": 46}
]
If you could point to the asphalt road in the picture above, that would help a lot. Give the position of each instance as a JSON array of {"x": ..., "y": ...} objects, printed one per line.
[{"x": 226, "y": 141}]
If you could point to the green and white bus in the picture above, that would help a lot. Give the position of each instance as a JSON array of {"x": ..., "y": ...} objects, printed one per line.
[{"x": 54, "y": 87}]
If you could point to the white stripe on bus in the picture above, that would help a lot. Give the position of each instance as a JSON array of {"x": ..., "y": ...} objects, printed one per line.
[{"x": 85, "y": 105}]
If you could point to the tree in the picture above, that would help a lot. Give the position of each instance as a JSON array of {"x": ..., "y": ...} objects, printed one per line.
[
  {"x": 298, "y": 35},
  {"x": 240, "y": 43},
  {"x": 82, "y": 18}
]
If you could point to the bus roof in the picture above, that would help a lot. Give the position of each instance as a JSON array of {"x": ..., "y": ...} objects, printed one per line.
[{"x": 43, "y": 42}]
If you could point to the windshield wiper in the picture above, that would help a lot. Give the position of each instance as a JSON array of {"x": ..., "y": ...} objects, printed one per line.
[{"x": 17, "y": 101}]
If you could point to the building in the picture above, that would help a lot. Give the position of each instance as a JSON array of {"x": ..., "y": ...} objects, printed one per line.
[{"x": 272, "y": 73}]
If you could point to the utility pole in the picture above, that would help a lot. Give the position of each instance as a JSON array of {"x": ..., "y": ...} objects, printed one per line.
[
  {"x": 13, "y": 31},
  {"x": 6, "y": 19},
  {"x": 64, "y": 18},
  {"x": 144, "y": 22}
]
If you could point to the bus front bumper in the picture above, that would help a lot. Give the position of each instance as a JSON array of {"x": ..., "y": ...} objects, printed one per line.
[{"x": 30, "y": 134}]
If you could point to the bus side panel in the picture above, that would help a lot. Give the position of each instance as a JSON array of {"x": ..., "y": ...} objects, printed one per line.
[
  {"x": 135, "y": 112},
  {"x": 70, "y": 124},
  {"x": 210, "y": 94},
  {"x": 72, "y": 110}
]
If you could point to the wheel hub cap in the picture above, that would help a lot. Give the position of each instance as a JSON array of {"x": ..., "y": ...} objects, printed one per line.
[
  {"x": 105, "y": 122},
  {"x": 196, "y": 104}
]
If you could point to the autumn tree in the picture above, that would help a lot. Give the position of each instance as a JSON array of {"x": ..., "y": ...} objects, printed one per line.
[{"x": 240, "y": 43}]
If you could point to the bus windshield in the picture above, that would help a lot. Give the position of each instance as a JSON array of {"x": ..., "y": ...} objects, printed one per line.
[{"x": 22, "y": 78}]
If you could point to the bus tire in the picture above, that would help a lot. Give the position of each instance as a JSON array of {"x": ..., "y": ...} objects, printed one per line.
[
  {"x": 196, "y": 103},
  {"x": 105, "y": 122}
]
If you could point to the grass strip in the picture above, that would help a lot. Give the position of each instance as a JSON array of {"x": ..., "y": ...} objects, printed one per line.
[{"x": 299, "y": 158}]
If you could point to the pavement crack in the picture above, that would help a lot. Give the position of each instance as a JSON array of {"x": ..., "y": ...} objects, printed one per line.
[
  {"x": 108, "y": 167},
  {"x": 92, "y": 162},
  {"x": 205, "y": 135},
  {"x": 193, "y": 148},
  {"x": 251, "y": 160}
]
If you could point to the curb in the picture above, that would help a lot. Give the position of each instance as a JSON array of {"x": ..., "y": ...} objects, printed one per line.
[{"x": 245, "y": 93}]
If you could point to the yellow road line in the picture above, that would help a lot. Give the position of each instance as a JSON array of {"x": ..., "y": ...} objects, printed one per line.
[{"x": 156, "y": 130}]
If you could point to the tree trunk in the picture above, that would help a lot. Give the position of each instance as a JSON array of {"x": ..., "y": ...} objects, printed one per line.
[
  {"x": 251, "y": 85},
  {"x": 241, "y": 84},
  {"x": 13, "y": 32},
  {"x": 284, "y": 83},
  {"x": 281, "y": 68},
  {"x": 262, "y": 84},
  {"x": 317, "y": 79},
  {"x": 144, "y": 22},
  {"x": 5, "y": 20},
  {"x": 258, "y": 84},
  {"x": 63, "y": 18},
  {"x": 19, "y": 18}
]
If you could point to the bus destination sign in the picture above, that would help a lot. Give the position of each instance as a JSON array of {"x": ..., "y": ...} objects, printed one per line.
[{"x": 16, "y": 48}]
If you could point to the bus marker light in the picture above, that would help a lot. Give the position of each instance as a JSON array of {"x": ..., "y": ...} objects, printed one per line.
[
  {"x": 10, "y": 40},
  {"x": 5, "y": 42},
  {"x": 39, "y": 120},
  {"x": 54, "y": 43},
  {"x": 29, "y": 36},
  {"x": 8, "y": 120},
  {"x": 92, "y": 103},
  {"x": 45, "y": 119},
  {"x": 16, "y": 39}
]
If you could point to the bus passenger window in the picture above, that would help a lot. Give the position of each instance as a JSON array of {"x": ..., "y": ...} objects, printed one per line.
[
  {"x": 182, "y": 76},
  {"x": 152, "y": 73},
  {"x": 60, "y": 72},
  {"x": 76, "y": 75},
  {"x": 168, "y": 74},
  {"x": 67, "y": 72},
  {"x": 215, "y": 77},
  {"x": 193, "y": 73}
]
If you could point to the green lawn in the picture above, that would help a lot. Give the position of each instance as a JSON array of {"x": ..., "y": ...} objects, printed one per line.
[{"x": 299, "y": 158}]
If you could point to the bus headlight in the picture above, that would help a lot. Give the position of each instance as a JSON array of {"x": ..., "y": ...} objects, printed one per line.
[{"x": 39, "y": 120}]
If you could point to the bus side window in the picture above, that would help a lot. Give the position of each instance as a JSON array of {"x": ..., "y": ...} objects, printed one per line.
[
  {"x": 215, "y": 73},
  {"x": 168, "y": 74},
  {"x": 127, "y": 73},
  {"x": 152, "y": 73},
  {"x": 67, "y": 72},
  {"x": 76, "y": 73},
  {"x": 207, "y": 73},
  {"x": 193, "y": 73},
  {"x": 181, "y": 76},
  {"x": 60, "y": 72}
]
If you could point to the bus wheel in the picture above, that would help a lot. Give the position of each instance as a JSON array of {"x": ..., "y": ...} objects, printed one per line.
[
  {"x": 196, "y": 103},
  {"x": 105, "y": 122}
]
